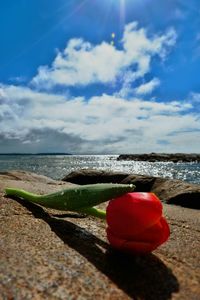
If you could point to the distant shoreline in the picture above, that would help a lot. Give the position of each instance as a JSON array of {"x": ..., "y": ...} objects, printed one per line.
[
  {"x": 34, "y": 154},
  {"x": 162, "y": 157},
  {"x": 149, "y": 157}
]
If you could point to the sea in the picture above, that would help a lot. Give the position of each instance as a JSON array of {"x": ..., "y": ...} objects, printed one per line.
[{"x": 58, "y": 166}]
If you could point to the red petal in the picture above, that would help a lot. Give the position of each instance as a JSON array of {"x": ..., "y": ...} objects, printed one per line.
[
  {"x": 147, "y": 241},
  {"x": 166, "y": 230},
  {"x": 132, "y": 213},
  {"x": 157, "y": 234},
  {"x": 128, "y": 245},
  {"x": 138, "y": 248}
]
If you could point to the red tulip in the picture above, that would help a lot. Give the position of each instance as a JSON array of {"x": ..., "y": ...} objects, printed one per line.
[{"x": 135, "y": 223}]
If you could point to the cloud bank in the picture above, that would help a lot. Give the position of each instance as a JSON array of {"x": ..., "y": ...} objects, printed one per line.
[
  {"x": 82, "y": 63},
  {"x": 38, "y": 118}
]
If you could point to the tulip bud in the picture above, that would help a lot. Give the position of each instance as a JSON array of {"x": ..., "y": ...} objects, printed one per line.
[{"x": 135, "y": 223}]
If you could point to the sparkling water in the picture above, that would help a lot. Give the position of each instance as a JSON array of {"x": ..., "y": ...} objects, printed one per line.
[{"x": 57, "y": 166}]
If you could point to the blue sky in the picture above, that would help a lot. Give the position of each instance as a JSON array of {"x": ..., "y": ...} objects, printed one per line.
[{"x": 91, "y": 76}]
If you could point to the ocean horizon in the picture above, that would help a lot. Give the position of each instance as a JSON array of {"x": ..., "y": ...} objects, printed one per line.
[{"x": 57, "y": 165}]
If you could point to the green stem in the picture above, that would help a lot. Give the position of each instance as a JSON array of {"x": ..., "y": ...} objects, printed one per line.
[
  {"x": 92, "y": 211},
  {"x": 95, "y": 212},
  {"x": 21, "y": 194},
  {"x": 75, "y": 198}
]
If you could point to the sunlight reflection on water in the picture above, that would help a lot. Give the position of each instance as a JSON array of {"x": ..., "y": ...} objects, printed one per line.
[{"x": 59, "y": 165}]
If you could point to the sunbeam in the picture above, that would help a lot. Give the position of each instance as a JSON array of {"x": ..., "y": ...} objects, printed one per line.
[{"x": 122, "y": 13}]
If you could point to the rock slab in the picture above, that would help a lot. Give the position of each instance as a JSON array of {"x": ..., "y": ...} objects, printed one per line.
[
  {"x": 168, "y": 190},
  {"x": 46, "y": 254},
  {"x": 162, "y": 157}
]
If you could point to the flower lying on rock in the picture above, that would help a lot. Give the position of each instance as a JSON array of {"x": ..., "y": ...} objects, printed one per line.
[{"x": 135, "y": 223}]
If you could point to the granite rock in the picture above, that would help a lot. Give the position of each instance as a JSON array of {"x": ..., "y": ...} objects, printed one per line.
[
  {"x": 155, "y": 157},
  {"x": 92, "y": 176},
  {"x": 168, "y": 190},
  {"x": 46, "y": 254}
]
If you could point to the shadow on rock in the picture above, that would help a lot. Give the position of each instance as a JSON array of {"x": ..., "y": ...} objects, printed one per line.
[
  {"x": 140, "y": 277},
  {"x": 182, "y": 200}
]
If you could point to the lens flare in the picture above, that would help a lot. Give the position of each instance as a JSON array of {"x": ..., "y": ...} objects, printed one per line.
[{"x": 122, "y": 13}]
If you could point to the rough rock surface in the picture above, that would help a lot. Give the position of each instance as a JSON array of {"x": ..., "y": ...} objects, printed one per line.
[
  {"x": 92, "y": 176},
  {"x": 168, "y": 190},
  {"x": 153, "y": 157},
  {"x": 46, "y": 254}
]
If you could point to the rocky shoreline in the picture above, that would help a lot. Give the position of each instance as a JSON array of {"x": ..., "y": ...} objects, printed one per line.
[
  {"x": 162, "y": 157},
  {"x": 47, "y": 254},
  {"x": 170, "y": 191}
]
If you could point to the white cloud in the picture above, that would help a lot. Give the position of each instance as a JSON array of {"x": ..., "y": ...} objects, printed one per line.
[
  {"x": 194, "y": 97},
  {"x": 82, "y": 63},
  {"x": 147, "y": 87},
  {"x": 101, "y": 124},
  {"x": 36, "y": 120}
]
